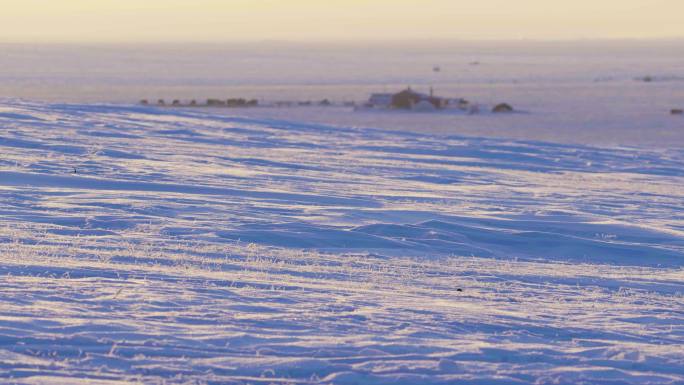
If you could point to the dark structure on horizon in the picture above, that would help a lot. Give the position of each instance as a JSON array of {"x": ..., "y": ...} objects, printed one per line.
[
  {"x": 502, "y": 108},
  {"x": 409, "y": 99}
]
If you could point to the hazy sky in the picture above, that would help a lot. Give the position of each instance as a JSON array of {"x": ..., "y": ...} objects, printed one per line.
[{"x": 222, "y": 20}]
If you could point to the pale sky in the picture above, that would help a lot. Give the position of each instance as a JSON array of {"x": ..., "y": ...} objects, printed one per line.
[{"x": 230, "y": 20}]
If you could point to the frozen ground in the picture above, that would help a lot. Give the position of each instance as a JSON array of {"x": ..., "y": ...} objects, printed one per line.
[{"x": 172, "y": 247}]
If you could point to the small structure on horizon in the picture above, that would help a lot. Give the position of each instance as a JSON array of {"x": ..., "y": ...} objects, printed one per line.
[
  {"x": 677, "y": 111},
  {"x": 380, "y": 100},
  {"x": 216, "y": 103},
  {"x": 502, "y": 108},
  {"x": 409, "y": 99}
]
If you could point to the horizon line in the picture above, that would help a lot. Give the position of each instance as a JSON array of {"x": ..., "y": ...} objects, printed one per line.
[{"x": 671, "y": 39}]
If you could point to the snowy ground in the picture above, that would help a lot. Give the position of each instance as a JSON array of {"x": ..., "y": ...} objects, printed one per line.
[{"x": 174, "y": 247}]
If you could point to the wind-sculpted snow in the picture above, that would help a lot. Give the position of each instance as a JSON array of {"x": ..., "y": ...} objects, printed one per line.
[{"x": 150, "y": 246}]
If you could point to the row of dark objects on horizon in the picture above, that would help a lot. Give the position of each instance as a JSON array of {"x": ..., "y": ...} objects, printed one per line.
[
  {"x": 238, "y": 102},
  {"x": 234, "y": 102},
  {"x": 241, "y": 102}
]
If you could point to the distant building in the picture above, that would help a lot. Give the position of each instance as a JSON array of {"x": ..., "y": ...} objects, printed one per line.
[
  {"x": 408, "y": 99},
  {"x": 380, "y": 100}
]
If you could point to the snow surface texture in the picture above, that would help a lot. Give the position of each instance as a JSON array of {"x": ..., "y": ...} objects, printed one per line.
[{"x": 171, "y": 247}]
